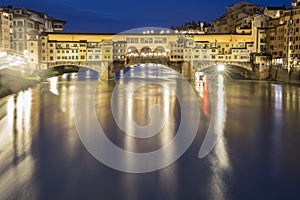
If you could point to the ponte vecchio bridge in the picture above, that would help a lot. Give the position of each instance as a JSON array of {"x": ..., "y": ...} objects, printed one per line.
[{"x": 108, "y": 53}]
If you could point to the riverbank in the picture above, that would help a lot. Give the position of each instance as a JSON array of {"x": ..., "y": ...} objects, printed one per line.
[{"x": 282, "y": 75}]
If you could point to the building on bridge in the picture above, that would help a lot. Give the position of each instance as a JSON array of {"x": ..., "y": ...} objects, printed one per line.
[
  {"x": 60, "y": 49},
  {"x": 119, "y": 50}
]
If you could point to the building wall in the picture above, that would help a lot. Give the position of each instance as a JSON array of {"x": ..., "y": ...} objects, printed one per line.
[
  {"x": 20, "y": 31},
  {"x": 243, "y": 34},
  {"x": 5, "y": 23}
]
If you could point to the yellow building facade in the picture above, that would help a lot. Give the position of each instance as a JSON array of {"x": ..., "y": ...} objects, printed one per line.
[{"x": 61, "y": 48}]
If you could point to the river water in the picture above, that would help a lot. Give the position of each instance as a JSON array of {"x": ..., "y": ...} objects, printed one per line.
[{"x": 256, "y": 155}]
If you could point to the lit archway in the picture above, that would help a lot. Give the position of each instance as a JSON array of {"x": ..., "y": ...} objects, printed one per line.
[
  {"x": 132, "y": 51},
  {"x": 160, "y": 51},
  {"x": 146, "y": 51}
]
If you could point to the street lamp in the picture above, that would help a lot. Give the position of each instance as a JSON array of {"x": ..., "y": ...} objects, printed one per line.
[{"x": 221, "y": 68}]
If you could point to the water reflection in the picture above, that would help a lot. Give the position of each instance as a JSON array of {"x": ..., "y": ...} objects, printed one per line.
[
  {"x": 256, "y": 154},
  {"x": 53, "y": 85},
  {"x": 218, "y": 115},
  {"x": 220, "y": 162},
  {"x": 278, "y": 97},
  {"x": 16, "y": 163}
]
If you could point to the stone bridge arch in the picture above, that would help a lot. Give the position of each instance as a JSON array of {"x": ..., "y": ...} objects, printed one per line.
[
  {"x": 132, "y": 51},
  {"x": 160, "y": 51},
  {"x": 244, "y": 71},
  {"x": 206, "y": 64},
  {"x": 104, "y": 68},
  {"x": 146, "y": 51}
]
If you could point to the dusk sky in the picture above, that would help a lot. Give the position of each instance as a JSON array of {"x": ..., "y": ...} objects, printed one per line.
[{"x": 117, "y": 16}]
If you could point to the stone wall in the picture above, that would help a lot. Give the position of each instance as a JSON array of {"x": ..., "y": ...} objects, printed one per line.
[{"x": 279, "y": 74}]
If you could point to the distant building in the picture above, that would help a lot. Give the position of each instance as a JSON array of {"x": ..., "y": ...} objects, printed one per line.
[
  {"x": 274, "y": 11},
  {"x": 238, "y": 16},
  {"x": 58, "y": 25},
  {"x": 6, "y": 20},
  {"x": 21, "y": 29},
  {"x": 283, "y": 37}
]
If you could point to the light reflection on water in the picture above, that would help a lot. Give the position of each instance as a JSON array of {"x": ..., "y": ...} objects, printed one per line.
[
  {"x": 53, "y": 85},
  {"x": 17, "y": 164},
  {"x": 220, "y": 162},
  {"x": 256, "y": 155}
]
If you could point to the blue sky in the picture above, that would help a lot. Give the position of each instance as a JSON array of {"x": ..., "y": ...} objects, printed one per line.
[{"x": 121, "y": 15}]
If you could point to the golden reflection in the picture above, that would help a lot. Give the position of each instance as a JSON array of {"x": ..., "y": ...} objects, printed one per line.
[
  {"x": 220, "y": 148},
  {"x": 129, "y": 141},
  {"x": 16, "y": 143},
  {"x": 7, "y": 122},
  {"x": 53, "y": 85},
  {"x": 278, "y": 97},
  {"x": 166, "y": 136},
  {"x": 10, "y": 113},
  {"x": 168, "y": 176},
  {"x": 64, "y": 98},
  {"x": 23, "y": 108},
  {"x": 27, "y": 110},
  {"x": 220, "y": 160}
]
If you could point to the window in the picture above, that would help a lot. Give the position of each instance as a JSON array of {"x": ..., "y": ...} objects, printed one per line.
[
  {"x": 19, "y": 23},
  {"x": 51, "y": 51},
  {"x": 58, "y": 57},
  {"x": 51, "y": 57},
  {"x": 82, "y": 57}
]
